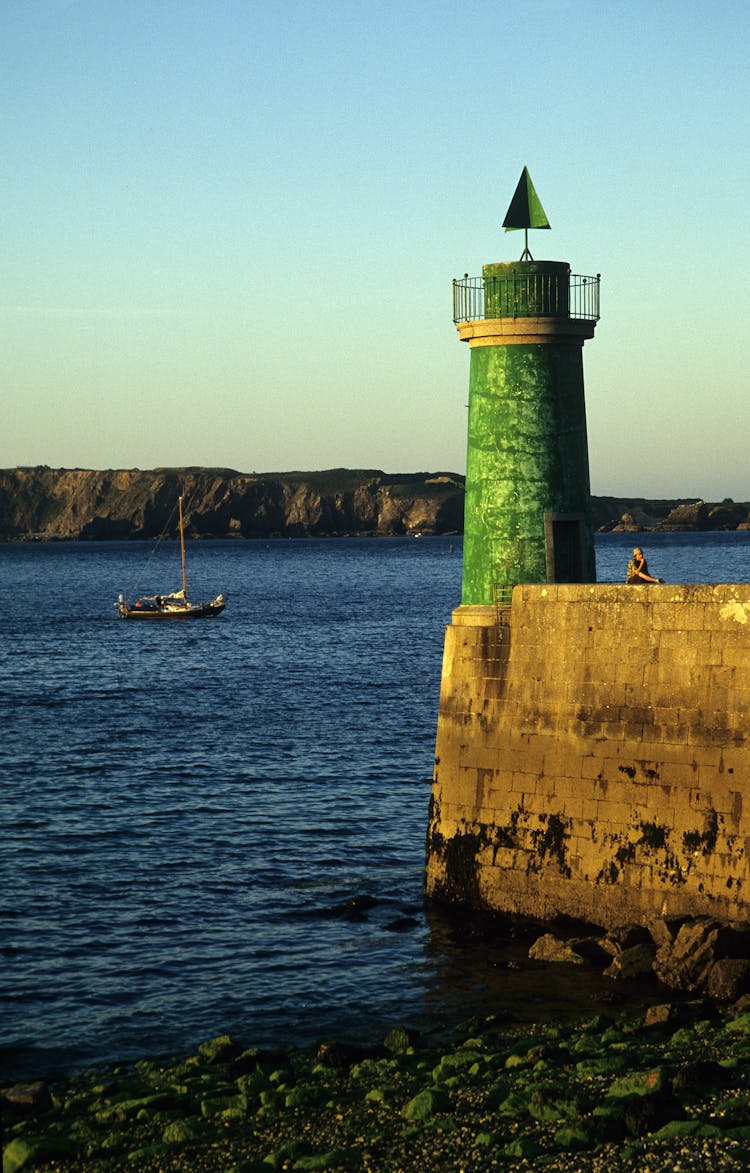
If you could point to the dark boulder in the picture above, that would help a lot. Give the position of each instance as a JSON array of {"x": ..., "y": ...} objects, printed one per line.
[
  {"x": 625, "y": 937},
  {"x": 685, "y": 963},
  {"x": 574, "y": 951},
  {"x": 688, "y": 961},
  {"x": 702, "y": 1075},
  {"x": 25, "y": 1099},
  {"x": 728, "y": 979},
  {"x": 634, "y": 962}
]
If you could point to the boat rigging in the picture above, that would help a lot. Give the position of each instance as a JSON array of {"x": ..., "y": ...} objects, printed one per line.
[{"x": 175, "y": 605}]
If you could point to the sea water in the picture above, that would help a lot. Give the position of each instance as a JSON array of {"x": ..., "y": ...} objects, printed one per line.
[{"x": 219, "y": 826}]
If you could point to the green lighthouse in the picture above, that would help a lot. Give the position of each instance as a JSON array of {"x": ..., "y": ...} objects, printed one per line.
[{"x": 527, "y": 508}]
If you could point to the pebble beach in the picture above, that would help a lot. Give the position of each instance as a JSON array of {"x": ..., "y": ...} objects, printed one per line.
[{"x": 667, "y": 1088}]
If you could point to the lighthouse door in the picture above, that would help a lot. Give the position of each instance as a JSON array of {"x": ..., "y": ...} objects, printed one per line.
[{"x": 566, "y": 551}]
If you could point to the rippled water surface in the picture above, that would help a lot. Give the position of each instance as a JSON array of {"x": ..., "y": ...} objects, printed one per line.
[{"x": 220, "y": 826}]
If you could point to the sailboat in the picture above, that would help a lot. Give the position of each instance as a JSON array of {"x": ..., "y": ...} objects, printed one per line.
[{"x": 174, "y": 606}]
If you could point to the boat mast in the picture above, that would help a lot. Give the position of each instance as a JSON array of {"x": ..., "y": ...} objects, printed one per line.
[{"x": 182, "y": 553}]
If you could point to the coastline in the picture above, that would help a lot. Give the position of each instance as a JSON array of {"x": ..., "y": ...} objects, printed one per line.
[
  {"x": 664, "y": 1088},
  {"x": 44, "y": 504}
]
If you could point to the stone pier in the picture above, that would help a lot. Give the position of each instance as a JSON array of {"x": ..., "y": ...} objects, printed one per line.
[{"x": 592, "y": 754}]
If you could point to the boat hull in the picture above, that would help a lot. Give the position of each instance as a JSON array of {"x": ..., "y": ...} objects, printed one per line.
[{"x": 160, "y": 614}]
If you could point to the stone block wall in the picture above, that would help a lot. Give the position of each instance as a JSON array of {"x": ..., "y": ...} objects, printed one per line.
[{"x": 593, "y": 756}]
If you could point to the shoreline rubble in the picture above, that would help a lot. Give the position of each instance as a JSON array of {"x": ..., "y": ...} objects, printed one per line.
[
  {"x": 664, "y": 1089},
  {"x": 666, "y": 1086}
]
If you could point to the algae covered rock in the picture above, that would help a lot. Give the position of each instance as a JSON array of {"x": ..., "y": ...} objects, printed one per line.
[
  {"x": 221, "y": 1049},
  {"x": 546, "y": 1106},
  {"x": 180, "y": 1132},
  {"x": 399, "y": 1040},
  {"x": 28, "y": 1152},
  {"x": 332, "y": 1159},
  {"x": 639, "y": 1083},
  {"x": 573, "y": 1137},
  {"x": 425, "y": 1104}
]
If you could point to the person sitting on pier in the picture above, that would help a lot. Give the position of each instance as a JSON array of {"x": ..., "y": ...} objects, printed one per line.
[{"x": 638, "y": 569}]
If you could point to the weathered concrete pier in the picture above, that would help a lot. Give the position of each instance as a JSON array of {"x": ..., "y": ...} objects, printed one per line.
[{"x": 592, "y": 755}]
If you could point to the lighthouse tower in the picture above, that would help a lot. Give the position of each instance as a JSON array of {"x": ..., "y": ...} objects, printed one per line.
[
  {"x": 574, "y": 714},
  {"x": 527, "y": 508}
]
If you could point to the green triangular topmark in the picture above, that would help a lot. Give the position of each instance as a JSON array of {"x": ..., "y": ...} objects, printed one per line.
[{"x": 525, "y": 210}]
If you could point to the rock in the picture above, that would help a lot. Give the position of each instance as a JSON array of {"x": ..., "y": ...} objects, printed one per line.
[
  {"x": 638, "y": 1083},
  {"x": 728, "y": 978},
  {"x": 573, "y": 1138},
  {"x": 270, "y": 1101},
  {"x": 549, "y": 1108},
  {"x": 464, "y": 1059},
  {"x": 664, "y": 929},
  {"x": 179, "y": 1132},
  {"x": 645, "y": 1114},
  {"x": 608, "y": 1064},
  {"x": 685, "y": 963},
  {"x": 524, "y": 1146},
  {"x": 222, "y": 1049},
  {"x": 380, "y": 1095},
  {"x": 333, "y": 1159},
  {"x": 399, "y": 1040},
  {"x": 701, "y": 1075},
  {"x": 425, "y": 1104},
  {"x": 514, "y": 1106},
  {"x": 732, "y": 941},
  {"x": 341, "y": 1055},
  {"x": 590, "y": 949},
  {"x": 215, "y": 1105},
  {"x": 355, "y": 909},
  {"x": 626, "y": 525},
  {"x": 251, "y": 1085},
  {"x": 680, "y": 1128},
  {"x": 692, "y": 515},
  {"x": 608, "y": 1122},
  {"x": 290, "y": 1152},
  {"x": 635, "y": 962},
  {"x": 573, "y": 951},
  {"x": 726, "y": 516},
  {"x": 27, "y": 1152},
  {"x": 245, "y": 1063},
  {"x": 25, "y": 1099},
  {"x": 625, "y": 937},
  {"x": 402, "y": 924},
  {"x": 665, "y": 1012},
  {"x": 551, "y": 949}
]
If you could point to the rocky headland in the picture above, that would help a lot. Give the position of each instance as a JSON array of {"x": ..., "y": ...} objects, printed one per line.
[{"x": 41, "y": 503}]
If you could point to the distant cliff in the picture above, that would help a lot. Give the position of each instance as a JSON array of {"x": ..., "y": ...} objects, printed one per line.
[
  {"x": 618, "y": 515},
  {"x": 43, "y": 503}
]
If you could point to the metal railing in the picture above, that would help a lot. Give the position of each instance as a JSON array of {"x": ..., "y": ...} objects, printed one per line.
[
  {"x": 502, "y": 596},
  {"x": 521, "y": 295}
]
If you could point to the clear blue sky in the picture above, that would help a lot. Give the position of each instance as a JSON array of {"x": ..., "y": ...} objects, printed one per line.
[{"x": 228, "y": 229}]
